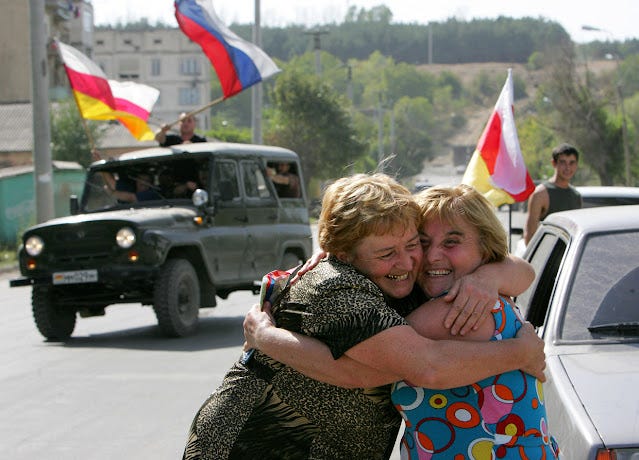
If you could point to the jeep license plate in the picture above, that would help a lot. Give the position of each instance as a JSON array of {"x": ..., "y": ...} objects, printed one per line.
[{"x": 75, "y": 277}]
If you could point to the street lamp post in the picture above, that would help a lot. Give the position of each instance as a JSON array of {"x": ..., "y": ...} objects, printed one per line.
[{"x": 624, "y": 126}]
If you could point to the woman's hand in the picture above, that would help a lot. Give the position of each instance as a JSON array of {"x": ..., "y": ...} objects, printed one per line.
[
  {"x": 472, "y": 297},
  {"x": 257, "y": 318},
  {"x": 536, "y": 358},
  {"x": 309, "y": 265}
]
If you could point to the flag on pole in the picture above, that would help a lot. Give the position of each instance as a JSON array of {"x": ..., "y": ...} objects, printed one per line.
[
  {"x": 99, "y": 98},
  {"x": 497, "y": 169},
  {"x": 237, "y": 62}
]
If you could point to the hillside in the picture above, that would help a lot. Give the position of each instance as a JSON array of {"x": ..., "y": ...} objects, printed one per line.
[
  {"x": 467, "y": 73},
  {"x": 441, "y": 169}
]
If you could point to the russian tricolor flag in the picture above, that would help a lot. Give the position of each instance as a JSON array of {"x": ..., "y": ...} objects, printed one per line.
[
  {"x": 497, "y": 169},
  {"x": 238, "y": 63}
]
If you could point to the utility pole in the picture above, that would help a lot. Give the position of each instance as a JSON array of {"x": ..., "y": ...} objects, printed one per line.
[
  {"x": 317, "y": 46},
  {"x": 42, "y": 167},
  {"x": 256, "y": 90},
  {"x": 430, "y": 43}
]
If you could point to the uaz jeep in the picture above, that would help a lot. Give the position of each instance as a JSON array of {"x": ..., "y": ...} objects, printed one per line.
[{"x": 168, "y": 227}]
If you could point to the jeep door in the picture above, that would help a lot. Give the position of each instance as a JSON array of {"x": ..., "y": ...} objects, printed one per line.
[
  {"x": 263, "y": 241},
  {"x": 226, "y": 237}
]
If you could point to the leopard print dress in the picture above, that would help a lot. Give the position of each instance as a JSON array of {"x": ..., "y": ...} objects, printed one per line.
[{"x": 266, "y": 410}]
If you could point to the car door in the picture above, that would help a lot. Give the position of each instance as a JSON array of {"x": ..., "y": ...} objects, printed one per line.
[
  {"x": 226, "y": 235},
  {"x": 263, "y": 216},
  {"x": 545, "y": 254}
]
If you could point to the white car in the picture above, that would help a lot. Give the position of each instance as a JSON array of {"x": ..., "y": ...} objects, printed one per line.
[
  {"x": 585, "y": 304},
  {"x": 592, "y": 197}
]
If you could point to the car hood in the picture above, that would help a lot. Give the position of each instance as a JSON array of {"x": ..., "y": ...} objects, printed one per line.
[
  {"x": 606, "y": 383},
  {"x": 146, "y": 217}
]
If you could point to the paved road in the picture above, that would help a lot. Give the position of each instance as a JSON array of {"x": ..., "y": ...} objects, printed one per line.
[{"x": 117, "y": 390}]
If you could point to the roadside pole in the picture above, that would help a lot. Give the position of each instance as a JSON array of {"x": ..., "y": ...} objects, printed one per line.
[{"x": 42, "y": 173}]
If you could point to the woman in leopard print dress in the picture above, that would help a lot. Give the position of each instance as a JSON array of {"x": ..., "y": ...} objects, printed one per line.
[{"x": 265, "y": 409}]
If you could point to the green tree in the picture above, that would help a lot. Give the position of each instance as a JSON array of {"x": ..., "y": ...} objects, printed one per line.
[
  {"x": 586, "y": 116},
  {"x": 311, "y": 119},
  {"x": 413, "y": 145},
  {"x": 69, "y": 140}
]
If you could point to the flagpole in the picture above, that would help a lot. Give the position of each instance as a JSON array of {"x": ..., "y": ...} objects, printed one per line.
[
  {"x": 510, "y": 219},
  {"x": 201, "y": 109}
]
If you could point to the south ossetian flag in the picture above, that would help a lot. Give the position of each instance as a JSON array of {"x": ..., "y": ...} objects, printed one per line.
[
  {"x": 237, "y": 62},
  {"x": 99, "y": 98},
  {"x": 497, "y": 169}
]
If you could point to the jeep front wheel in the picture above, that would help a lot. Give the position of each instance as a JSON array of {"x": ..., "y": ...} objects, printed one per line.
[
  {"x": 54, "y": 322},
  {"x": 176, "y": 298}
]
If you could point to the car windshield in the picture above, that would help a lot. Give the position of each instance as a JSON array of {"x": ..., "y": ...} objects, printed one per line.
[
  {"x": 143, "y": 183},
  {"x": 604, "y": 298}
]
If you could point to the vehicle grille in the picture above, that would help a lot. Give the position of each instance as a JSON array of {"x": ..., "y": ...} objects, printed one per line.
[{"x": 81, "y": 245}]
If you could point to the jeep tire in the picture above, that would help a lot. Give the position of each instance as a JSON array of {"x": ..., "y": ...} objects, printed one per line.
[
  {"x": 176, "y": 298},
  {"x": 56, "y": 323},
  {"x": 290, "y": 260}
]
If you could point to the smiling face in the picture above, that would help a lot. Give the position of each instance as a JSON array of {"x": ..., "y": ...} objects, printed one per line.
[
  {"x": 392, "y": 260},
  {"x": 451, "y": 250},
  {"x": 565, "y": 167}
]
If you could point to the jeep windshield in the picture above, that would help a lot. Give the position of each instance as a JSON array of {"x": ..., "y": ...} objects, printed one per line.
[{"x": 158, "y": 182}]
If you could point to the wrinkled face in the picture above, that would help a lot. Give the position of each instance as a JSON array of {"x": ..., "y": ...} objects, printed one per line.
[
  {"x": 450, "y": 252},
  {"x": 566, "y": 166},
  {"x": 391, "y": 261}
]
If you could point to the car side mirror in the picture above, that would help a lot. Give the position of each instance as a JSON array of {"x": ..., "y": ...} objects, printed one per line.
[{"x": 74, "y": 205}]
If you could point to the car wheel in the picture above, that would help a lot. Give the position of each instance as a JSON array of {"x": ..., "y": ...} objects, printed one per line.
[
  {"x": 54, "y": 322},
  {"x": 290, "y": 260},
  {"x": 176, "y": 298}
]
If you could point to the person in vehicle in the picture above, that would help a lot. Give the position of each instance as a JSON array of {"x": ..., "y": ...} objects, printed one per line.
[{"x": 287, "y": 184}]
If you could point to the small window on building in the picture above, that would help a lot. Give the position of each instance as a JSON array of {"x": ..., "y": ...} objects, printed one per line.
[
  {"x": 155, "y": 67},
  {"x": 189, "y": 96},
  {"x": 190, "y": 66},
  {"x": 157, "y": 41},
  {"x": 99, "y": 42}
]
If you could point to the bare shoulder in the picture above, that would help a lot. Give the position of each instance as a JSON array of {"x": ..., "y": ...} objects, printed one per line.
[{"x": 539, "y": 196}]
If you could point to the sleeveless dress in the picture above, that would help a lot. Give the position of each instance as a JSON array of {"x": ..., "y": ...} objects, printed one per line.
[{"x": 501, "y": 417}]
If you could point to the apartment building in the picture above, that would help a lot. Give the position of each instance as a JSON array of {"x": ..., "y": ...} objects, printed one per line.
[
  {"x": 163, "y": 58},
  {"x": 69, "y": 21}
]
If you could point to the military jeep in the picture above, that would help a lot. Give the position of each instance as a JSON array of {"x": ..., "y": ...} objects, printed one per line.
[{"x": 169, "y": 227}]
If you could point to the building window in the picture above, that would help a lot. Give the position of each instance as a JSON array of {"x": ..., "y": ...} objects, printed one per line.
[
  {"x": 190, "y": 66},
  {"x": 155, "y": 67},
  {"x": 99, "y": 42},
  {"x": 157, "y": 41},
  {"x": 189, "y": 96}
]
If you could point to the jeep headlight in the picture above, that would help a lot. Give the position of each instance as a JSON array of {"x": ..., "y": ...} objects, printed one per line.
[
  {"x": 125, "y": 237},
  {"x": 34, "y": 246}
]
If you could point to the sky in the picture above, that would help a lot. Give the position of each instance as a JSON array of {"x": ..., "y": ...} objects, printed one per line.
[{"x": 617, "y": 19}]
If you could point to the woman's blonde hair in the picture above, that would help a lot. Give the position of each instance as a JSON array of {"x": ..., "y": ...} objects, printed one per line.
[
  {"x": 462, "y": 201},
  {"x": 361, "y": 205}
]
